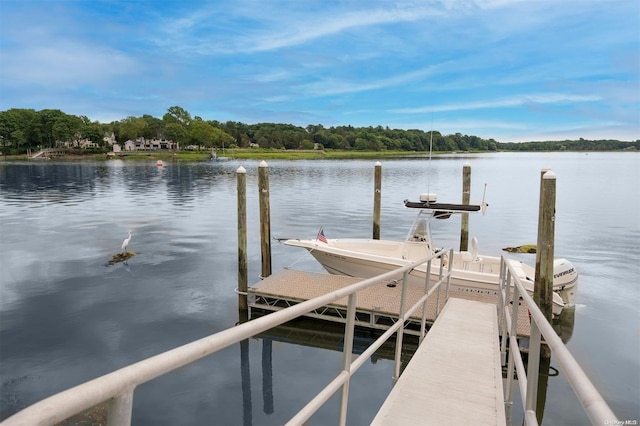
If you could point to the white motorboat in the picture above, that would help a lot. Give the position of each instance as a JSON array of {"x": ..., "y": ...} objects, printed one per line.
[{"x": 471, "y": 271}]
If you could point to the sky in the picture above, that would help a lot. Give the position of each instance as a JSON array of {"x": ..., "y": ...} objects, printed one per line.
[{"x": 503, "y": 69}]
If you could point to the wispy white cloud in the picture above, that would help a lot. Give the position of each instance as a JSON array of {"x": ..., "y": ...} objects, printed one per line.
[
  {"x": 545, "y": 98},
  {"x": 273, "y": 76},
  {"x": 329, "y": 87},
  {"x": 331, "y": 25},
  {"x": 282, "y": 28}
]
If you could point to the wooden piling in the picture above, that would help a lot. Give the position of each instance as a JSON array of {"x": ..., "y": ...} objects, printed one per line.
[
  {"x": 466, "y": 198},
  {"x": 376, "y": 200},
  {"x": 265, "y": 218},
  {"x": 241, "y": 174},
  {"x": 543, "y": 289}
]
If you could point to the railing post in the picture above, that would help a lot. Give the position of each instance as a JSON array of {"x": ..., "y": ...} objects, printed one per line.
[
  {"x": 423, "y": 321},
  {"x": 533, "y": 368},
  {"x": 501, "y": 314},
  {"x": 265, "y": 218},
  {"x": 448, "y": 274},
  {"x": 513, "y": 332},
  {"x": 377, "y": 193},
  {"x": 440, "y": 273},
  {"x": 500, "y": 294},
  {"x": 400, "y": 332},
  {"x": 120, "y": 409},
  {"x": 347, "y": 355},
  {"x": 241, "y": 175}
]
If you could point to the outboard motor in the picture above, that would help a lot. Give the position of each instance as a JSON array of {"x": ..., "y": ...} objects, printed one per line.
[
  {"x": 564, "y": 274},
  {"x": 565, "y": 280}
]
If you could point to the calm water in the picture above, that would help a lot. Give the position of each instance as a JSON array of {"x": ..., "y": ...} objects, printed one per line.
[{"x": 66, "y": 318}]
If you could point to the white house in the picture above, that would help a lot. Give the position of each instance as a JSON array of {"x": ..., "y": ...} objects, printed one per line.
[
  {"x": 110, "y": 138},
  {"x": 149, "y": 144}
]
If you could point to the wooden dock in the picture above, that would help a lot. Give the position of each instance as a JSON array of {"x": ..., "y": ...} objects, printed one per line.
[
  {"x": 377, "y": 306},
  {"x": 455, "y": 376}
]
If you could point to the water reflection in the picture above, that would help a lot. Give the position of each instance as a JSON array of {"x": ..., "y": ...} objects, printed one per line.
[
  {"x": 37, "y": 182},
  {"x": 563, "y": 324},
  {"x": 311, "y": 333},
  {"x": 247, "y": 408},
  {"x": 65, "y": 318}
]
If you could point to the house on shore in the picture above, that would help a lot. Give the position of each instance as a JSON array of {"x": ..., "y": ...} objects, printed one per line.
[
  {"x": 77, "y": 142},
  {"x": 142, "y": 144}
]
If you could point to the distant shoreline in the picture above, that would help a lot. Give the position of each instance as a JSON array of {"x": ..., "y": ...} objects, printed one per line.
[{"x": 258, "y": 154}]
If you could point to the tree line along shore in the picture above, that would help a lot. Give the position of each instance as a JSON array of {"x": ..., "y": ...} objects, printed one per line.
[{"x": 27, "y": 130}]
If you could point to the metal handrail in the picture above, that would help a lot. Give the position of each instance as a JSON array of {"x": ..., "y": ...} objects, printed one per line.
[
  {"x": 118, "y": 387},
  {"x": 594, "y": 405}
]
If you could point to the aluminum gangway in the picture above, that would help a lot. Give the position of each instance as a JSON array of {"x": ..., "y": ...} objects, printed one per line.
[{"x": 455, "y": 376}]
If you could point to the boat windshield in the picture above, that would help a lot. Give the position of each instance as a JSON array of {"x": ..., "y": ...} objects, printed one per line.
[{"x": 420, "y": 231}]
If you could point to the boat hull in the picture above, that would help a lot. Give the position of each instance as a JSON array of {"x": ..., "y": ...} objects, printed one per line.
[{"x": 383, "y": 256}]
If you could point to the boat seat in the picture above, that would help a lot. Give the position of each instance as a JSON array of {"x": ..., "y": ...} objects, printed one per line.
[{"x": 470, "y": 256}]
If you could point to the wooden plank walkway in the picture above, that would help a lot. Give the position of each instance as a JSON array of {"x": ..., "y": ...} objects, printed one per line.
[
  {"x": 455, "y": 376},
  {"x": 288, "y": 287}
]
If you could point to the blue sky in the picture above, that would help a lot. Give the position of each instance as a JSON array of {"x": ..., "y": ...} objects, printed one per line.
[{"x": 502, "y": 69}]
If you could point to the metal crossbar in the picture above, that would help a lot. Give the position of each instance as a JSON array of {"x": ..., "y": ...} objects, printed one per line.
[
  {"x": 594, "y": 405},
  {"x": 119, "y": 386}
]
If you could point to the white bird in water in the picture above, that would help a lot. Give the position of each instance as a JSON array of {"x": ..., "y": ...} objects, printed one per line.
[{"x": 125, "y": 243}]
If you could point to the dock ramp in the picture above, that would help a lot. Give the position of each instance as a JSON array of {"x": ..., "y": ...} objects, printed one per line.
[{"x": 455, "y": 376}]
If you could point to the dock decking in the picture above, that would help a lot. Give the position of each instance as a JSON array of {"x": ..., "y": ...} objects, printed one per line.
[
  {"x": 455, "y": 376},
  {"x": 377, "y": 306}
]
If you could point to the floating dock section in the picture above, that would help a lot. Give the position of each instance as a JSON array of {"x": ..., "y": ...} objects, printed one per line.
[{"x": 377, "y": 306}]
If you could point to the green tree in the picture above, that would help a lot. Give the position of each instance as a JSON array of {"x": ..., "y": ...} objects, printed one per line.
[
  {"x": 201, "y": 133},
  {"x": 154, "y": 127},
  {"x": 177, "y": 114},
  {"x": 176, "y": 132},
  {"x": 18, "y": 126},
  {"x": 66, "y": 128},
  {"x": 94, "y": 132},
  {"x": 132, "y": 128},
  {"x": 307, "y": 144}
]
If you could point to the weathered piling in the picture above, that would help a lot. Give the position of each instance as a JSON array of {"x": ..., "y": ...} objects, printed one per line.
[
  {"x": 376, "y": 200},
  {"x": 265, "y": 218},
  {"x": 466, "y": 198},
  {"x": 544, "y": 277},
  {"x": 543, "y": 289},
  {"x": 241, "y": 175}
]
